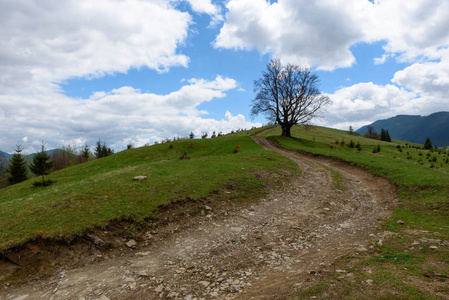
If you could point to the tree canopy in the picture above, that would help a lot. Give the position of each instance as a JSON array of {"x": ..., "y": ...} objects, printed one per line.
[
  {"x": 41, "y": 164},
  {"x": 288, "y": 95}
]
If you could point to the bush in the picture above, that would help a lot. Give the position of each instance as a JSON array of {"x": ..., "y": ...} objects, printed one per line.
[
  {"x": 43, "y": 183},
  {"x": 351, "y": 144},
  {"x": 237, "y": 149}
]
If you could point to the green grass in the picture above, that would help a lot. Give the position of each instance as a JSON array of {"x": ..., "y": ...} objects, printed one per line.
[
  {"x": 422, "y": 179},
  {"x": 94, "y": 193}
]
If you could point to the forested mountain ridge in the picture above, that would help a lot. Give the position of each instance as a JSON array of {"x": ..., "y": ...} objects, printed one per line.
[{"x": 415, "y": 129}]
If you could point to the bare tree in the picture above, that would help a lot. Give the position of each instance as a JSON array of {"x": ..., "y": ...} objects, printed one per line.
[{"x": 288, "y": 94}]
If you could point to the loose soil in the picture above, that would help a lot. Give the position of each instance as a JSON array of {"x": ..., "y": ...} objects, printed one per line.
[{"x": 266, "y": 250}]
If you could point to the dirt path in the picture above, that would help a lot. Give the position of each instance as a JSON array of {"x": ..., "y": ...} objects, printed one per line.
[{"x": 266, "y": 251}]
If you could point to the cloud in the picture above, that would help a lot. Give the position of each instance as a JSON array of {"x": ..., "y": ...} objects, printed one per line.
[
  {"x": 47, "y": 42},
  {"x": 320, "y": 33},
  {"x": 412, "y": 29},
  {"x": 311, "y": 33},
  {"x": 430, "y": 79},
  {"x": 207, "y": 7},
  {"x": 120, "y": 116},
  {"x": 364, "y": 103}
]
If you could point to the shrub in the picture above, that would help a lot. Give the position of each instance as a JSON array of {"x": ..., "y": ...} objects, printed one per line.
[
  {"x": 351, "y": 144},
  {"x": 237, "y": 149}
]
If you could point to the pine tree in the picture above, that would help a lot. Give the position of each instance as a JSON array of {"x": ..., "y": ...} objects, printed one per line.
[
  {"x": 17, "y": 167},
  {"x": 101, "y": 150},
  {"x": 383, "y": 135},
  {"x": 85, "y": 153},
  {"x": 428, "y": 144},
  {"x": 388, "y": 137},
  {"x": 41, "y": 164}
]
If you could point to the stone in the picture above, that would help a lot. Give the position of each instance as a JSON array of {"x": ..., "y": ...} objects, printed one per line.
[
  {"x": 208, "y": 207},
  {"x": 204, "y": 283},
  {"x": 96, "y": 240},
  {"x": 237, "y": 229},
  {"x": 103, "y": 297},
  {"x": 131, "y": 244},
  {"x": 159, "y": 288},
  {"x": 172, "y": 295},
  {"x": 433, "y": 247},
  {"x": 369, "y": 281},
  {"x": 140, "y": 177},
  {"x": 400, "y": 222}
]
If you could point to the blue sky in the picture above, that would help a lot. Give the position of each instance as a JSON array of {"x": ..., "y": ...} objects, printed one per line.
[{"x": 138, "y": 71}]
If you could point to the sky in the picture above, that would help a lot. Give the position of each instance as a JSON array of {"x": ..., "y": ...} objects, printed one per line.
[{"x": 138, "y": 71}]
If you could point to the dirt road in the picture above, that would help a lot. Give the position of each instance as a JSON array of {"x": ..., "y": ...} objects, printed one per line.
[{"x": 269, "y": 250}]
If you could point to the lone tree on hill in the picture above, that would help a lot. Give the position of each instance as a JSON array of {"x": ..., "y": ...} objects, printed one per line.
[
  {"x": 41, "y": 164},
  {"x": 17, "y": 167},
  {"x": 288, "y": 94}
]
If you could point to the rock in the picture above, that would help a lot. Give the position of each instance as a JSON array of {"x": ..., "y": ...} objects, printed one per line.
[
  {"x": 103, "y": 297},
  {"x": 208, "y": 207},
  {"x": 361, "y": 249},
  {"x": 237, "y": 229},
  {"x": 159, "y": 288},
  {"x": 96, "y": 240},
  {"x": 380, "y": 243},
  {"x": 140, "y": 177},
  {"x": 369, "y": 281},
  {"x": 400, "y": 222},
  {"x": 204, "y": 283},
  {"x": 142, "y": 273},
  {"x": 433, "y": 247},
  {"x": 214, "y": 294},
  {"x": 131, "y": 244},
  {"x": 172, "y": 295}
]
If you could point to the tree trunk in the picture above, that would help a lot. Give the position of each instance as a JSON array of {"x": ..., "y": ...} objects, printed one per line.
[{"x": 286, "y": 130}]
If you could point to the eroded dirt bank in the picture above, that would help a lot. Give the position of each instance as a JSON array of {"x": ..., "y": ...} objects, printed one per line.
[{"x": 266, "y": 251}]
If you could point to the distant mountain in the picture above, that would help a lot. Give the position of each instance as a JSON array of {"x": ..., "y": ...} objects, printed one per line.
[
  {"x": 415, "y": 128},
  {"x": 5, "y": 154}
]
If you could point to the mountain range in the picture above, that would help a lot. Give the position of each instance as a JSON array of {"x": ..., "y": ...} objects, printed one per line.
[{"x": 415, "y": 128}]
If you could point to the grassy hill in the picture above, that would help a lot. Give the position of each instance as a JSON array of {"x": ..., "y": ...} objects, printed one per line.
[
  {"x": 94, "y": 193},
  {"x": 416, "y": 128},
  {"x": 230, "y": 167}
]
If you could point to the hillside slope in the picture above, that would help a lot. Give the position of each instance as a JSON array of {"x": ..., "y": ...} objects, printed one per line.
[{"x": 415, "y": 128}]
